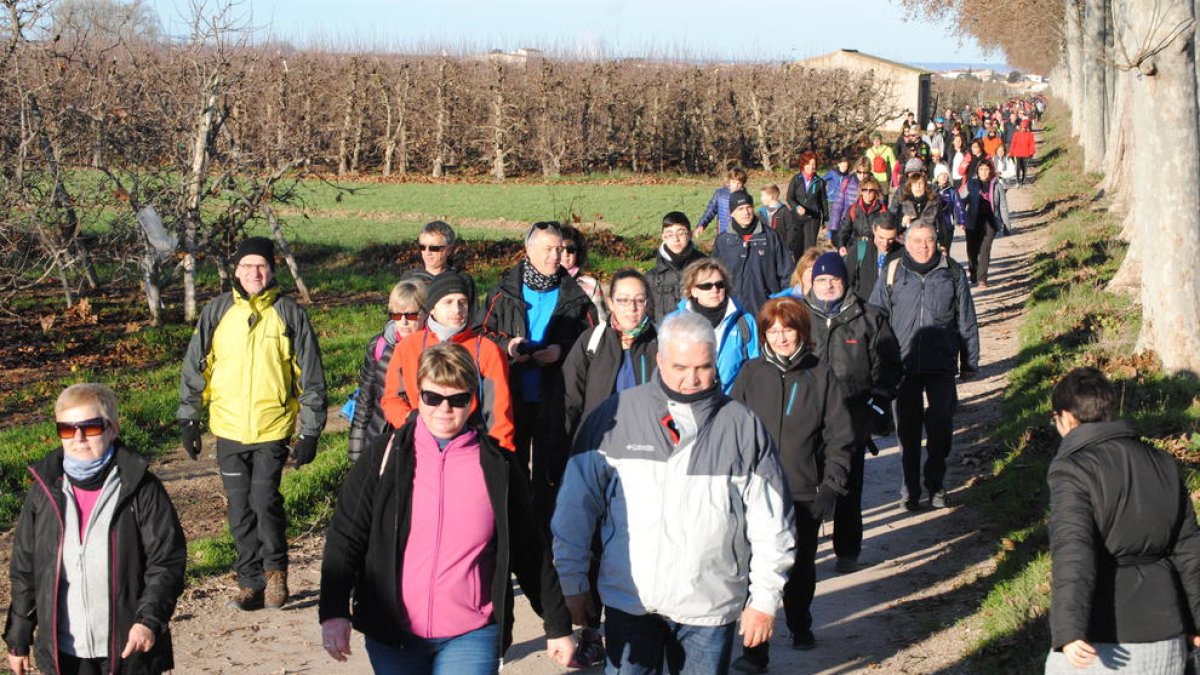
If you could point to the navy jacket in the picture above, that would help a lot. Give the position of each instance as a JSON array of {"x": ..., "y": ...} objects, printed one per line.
[{"x": 760, "y": 265}]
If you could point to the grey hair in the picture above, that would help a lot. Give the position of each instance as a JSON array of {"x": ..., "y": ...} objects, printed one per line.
[
  {"x": 921, "y": 223},
  {"x": 541, "y": 227},
  {"x": 443, "y": 228},
  {"x": 687, "y": 327}
]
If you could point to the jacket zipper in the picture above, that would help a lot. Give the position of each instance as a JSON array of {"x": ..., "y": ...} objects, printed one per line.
[
  {"x": 437, "y": 543},
  {"x": 58, "y": 567},
  {"x": 114, "y": 651}
]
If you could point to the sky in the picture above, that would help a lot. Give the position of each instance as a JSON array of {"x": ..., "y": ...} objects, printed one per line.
[{"x": 769, "y": 30}]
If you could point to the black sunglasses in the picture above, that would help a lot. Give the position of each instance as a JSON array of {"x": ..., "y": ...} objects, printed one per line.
[
  {"x": 547, "y": 225},
  {"x": 570, "y": 249},
  {"x": 407, "y": 316},
  {"x": 90, "y": 428},
  {"x": 432, "y": 249},
  {"x": 709, "y": 285},
  {"x": 434, "y": 399}
]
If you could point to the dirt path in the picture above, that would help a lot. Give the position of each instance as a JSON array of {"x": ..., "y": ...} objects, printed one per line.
[{"x": 896, "y": 615}]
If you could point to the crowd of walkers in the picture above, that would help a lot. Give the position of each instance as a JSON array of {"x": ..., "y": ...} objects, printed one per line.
[{"x": 652, "y": 457}]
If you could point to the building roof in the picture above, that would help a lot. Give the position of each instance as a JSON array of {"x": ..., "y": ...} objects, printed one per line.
[{"x": 855, "y": 54}]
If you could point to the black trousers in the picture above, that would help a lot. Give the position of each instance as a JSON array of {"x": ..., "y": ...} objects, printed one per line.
[
  {"x": 937, "y": 421},
  {"x": 251, "y": 474},
  {"x": 801, "y": 583},
  {"x": 1021, "y": 170},
  {"x": 73, "y": 665},
  {"x": 847, "y": 509},
  {"x": 542, "y": 440},
  {"x": 979, "y": 251}
]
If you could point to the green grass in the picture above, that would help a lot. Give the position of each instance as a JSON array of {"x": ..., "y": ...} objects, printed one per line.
[{"x": 1070, "y": 320}]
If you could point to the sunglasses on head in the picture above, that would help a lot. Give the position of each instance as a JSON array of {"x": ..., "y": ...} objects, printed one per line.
[
  {"x": 709, "y": 285},
  {"x": 90, "y": 428},
  {"x": 407, "y": 316},
  {"x": 434, "y": 399},
  {"x": 432, "y": 248},
  {"x": 547, "y": 225}
]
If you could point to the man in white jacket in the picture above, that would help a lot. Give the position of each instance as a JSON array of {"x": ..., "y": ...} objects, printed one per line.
[{"x": 694, "y": 515}]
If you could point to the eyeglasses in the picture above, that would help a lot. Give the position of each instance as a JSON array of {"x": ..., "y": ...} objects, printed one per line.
[
  {"x": 674, "y": 236},
  {"x": 432, "y": 249},
  {"x": 625, "y": 302},
  {"x": 434, "y": 399},
  {"x": 406, "y": 316},
  {"x": 781, "y": 332},
  {"x": 249, "y": 266},
  {"x": 90, "y": 428},
  {"x": 570, "y": 249},
  {"x": 709, "y": 285}
]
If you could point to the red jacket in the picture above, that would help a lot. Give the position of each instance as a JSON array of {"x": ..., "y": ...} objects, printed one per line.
[
  {"x": 401, "y": 390},
  {"x": 1023, "y": 144}
]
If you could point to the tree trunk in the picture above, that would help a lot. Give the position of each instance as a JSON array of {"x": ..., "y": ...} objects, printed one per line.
[
  {"x": 1116, "y": 163},
  {"x": 1166, "y": 148},
  {"x": 498, "y": 124},
  {"x": 286, "y": 252},
  {"x": 149, "y": 265},
  {"x": 759, "y": 124},
  {"x": 196, "y": 180},
  {"x": 441, "y": 121},
  {"x": 1074, "y": 49},
  {"x": 1093, "y": 134}
]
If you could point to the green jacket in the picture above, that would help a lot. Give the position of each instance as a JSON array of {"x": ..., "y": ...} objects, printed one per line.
[{"x": 255, "y": 362}]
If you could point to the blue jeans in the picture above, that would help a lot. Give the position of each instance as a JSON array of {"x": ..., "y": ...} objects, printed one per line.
[
  {"x": 643, "y": 645},
  {"x": 473, "y": 653}
]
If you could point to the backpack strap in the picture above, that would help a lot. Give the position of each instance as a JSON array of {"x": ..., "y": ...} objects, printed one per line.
[
  {"x": 861, "y": 251},
  {"x": 891, "y": 273},
  {"x": 594, "y": 341},
  {"x": 743, "y": 328}
]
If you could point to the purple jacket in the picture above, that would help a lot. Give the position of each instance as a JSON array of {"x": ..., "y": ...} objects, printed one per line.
[{"x": 842, "y": 191}]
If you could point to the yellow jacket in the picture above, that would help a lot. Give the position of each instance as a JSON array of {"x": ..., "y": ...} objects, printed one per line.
[{"x": 255, "y": 362}]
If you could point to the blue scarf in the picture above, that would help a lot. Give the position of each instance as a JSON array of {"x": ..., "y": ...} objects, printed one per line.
[{"x": 83, "y": 470}]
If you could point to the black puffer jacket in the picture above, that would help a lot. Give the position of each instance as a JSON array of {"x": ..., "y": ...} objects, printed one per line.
[
  {"x": 503, "y": 317},
  {"x": 932, "y": 315},
  {"x": 369, "y": 422},
  {"x": 1124, "y": 545},
  {"x": 805, "y": 412},
  {"x": 931, "y": 211},
  {"x": 149, "y": 556},
  {"x": 589, "y": 378},
  {"x": 361, "y": 567},
  {"x": 859, "y": 222},
  {"x": 664, "y": 281}
]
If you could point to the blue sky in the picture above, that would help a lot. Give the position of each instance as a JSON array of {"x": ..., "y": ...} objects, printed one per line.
[{"x": 705, "y": 29}]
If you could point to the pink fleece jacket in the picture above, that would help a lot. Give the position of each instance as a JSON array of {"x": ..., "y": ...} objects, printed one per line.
[{"x": 450, "y": 557}]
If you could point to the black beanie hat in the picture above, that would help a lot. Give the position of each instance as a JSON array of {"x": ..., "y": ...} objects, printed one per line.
[
  {"x": 442, "y": 285},
  {"x": 256, "y": 246},
  {"x": 740, "y": 198}
]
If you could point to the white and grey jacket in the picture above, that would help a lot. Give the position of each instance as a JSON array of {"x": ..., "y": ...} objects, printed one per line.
[{"x": 692, "y": 505}]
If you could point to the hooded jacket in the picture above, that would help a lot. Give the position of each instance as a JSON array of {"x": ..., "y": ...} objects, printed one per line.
[
  {"x": 804, "y": 410},
  {"x": 148, "y": 557},
  {"x": 690, "y": 503},
  {"x": 737, "y": 341},
  {"x": 1124, "y": 544},
  {"x": 255, "y": 362},
  {"x": 369, "y": 421},
  {"x": 590, "y": 376},
  {"x": 664, "y": 281},
  {"x": 932, "y": 316},
  {"x": 759, "y": 264},
  {"x": 362, "y": 570}
]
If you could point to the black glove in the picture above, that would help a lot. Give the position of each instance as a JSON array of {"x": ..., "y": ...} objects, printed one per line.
[
  {"x": 191, "y": 437},
  {"x": 882, "y": 423},
  {"x": 822, "y": 504},
  {"x": 305, "y": 450},
  {"x": 966, "y": 375}
]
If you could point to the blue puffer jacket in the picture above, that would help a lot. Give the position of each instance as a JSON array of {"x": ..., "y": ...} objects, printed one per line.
[
  {"x": 718, "y": 207},
  {"x": 932, "y": 315},
  {"x": 737, "y": 341}
]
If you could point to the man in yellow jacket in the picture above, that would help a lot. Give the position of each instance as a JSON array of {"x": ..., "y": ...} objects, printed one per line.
[{"x": 254, "y": 361}]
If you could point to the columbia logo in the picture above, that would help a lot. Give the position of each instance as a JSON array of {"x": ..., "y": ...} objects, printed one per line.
[{"x": 633, "y": 447}]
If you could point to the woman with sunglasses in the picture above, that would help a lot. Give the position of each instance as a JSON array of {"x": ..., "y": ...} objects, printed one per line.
[
  {"x": 405, "y": 316},
  {"x": 449, "y": 314},
  {"x": 98, "y": 555},
  {"x": 428, "y": 530},
  {"x": 574, "y": 260},
  {"x": 706, "y": 292},
  {"x": 860, "y": 219}
]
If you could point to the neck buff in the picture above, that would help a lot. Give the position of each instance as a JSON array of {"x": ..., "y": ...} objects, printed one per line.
[
  {"x": 537, "y": 281},
  {"x": 922, "y": 268},
  {"x": 675, "y": 261},
  {"x": 628, "y": 337},
  {"x": 713, "y": 314},
  {"x": 442, "y": 332},
  {"x": 784, "y": 363},
  {"x": 689, "y": 398},
  {"x": 743, "y": 231},
  {"x": 83, "y": 470},
  {"x": 826, "y": 307}
]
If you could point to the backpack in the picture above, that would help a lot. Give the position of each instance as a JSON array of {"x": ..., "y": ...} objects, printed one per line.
[{"x": 879, "y": 164}]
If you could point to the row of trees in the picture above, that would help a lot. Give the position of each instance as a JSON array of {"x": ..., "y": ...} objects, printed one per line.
[
  {"x": 190, "y": 141},
  {"x": 1127, "y": 69}
]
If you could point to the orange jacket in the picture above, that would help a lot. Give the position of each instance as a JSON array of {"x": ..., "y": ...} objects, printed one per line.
[
  {"x": 493, "y": 400},
  {"x": 990, "y": 144}
]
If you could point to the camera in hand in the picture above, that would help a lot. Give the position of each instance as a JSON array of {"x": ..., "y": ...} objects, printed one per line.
[{"x": 526, "y": 347}]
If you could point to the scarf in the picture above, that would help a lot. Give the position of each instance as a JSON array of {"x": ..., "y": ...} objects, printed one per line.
[
  {"x": 713, "y": 314},
  {"x": 744, "y": 231},
  {"x": 676, "y": 262},
  {"x": 689, "y": 398},
  {"x": 628, "y": 337},
  {"x": 922, "y": 268},
  {"x": 443, "y": 333},
  {"x": 536, "y": 281},
  {"x": 826, "y": 307},
  {"x": 82, "y": 471},
  {"x": 784, "y": 363},
  {"x": 389, "y": 333}
]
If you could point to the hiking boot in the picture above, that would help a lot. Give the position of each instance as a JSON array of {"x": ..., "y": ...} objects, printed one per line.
[
  {"x": 246, "y": 600},
  {"x": 277, "y": 590},
  {"x": 912, "y": 504},
  {"x": 748, "y": 664},
  {"x": 846, "y": 564},
  {"x": 938, "y": 500},
  {"x": 804, "y": 641}
]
